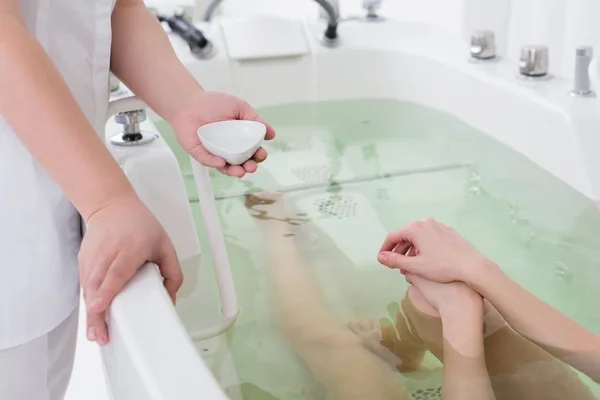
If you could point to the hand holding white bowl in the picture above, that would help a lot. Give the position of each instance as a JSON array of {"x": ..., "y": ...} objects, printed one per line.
[{"x": 236, "y": 141}]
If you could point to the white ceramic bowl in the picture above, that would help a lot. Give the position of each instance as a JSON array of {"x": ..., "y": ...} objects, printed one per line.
[{"x": 236, "y": 141}]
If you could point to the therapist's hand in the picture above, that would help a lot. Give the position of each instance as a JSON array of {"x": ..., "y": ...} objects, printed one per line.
[
  {"x": 213, "y": 107},
  {"x": 120, "y": 238},
  {"x": 438, "y": 253}
]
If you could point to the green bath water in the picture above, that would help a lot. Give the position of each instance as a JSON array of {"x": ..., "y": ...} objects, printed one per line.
[{"x": 543, "y": 233}]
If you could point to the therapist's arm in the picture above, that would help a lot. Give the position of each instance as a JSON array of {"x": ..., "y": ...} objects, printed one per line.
[
  {"x": 143, "y": 58},
  {"x": 37, "y": 104}
]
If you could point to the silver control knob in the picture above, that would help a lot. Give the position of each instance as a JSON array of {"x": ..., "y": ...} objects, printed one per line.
[
  {"x": 131, "y": 120},
  {"x": 534, "y": 61},
  {"x": 483, "y": 45},
  {"x": 131, "y": 134},
  {"x": 372, "y": 6}
]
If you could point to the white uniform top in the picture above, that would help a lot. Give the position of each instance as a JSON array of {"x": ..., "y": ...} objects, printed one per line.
[{"x": 40, "y": 231}]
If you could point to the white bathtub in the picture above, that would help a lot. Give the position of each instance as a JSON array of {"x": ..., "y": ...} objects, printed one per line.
[{"x": 150, "y": 355}]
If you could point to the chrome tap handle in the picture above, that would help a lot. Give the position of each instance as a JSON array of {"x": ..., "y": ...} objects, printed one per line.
[
  {"x": 131, "y": 120},
  {"x": 483, "y": 45},
  {"x": 131, "y": 135},
  {"x": 372, "y": 6},
  {"x": 534, "y": 61}
]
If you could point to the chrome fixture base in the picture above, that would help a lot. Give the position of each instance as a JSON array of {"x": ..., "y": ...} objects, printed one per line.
[
  {"x": 535, "y": 78},
  {"x": 474, "y": 60},
  {"x": 208, "y": 52},
  {"x": 141, "y": 138},
  {"x": 367, "y": 18},
  {"x": 583, "y": 93},
  {"x": 330, "y": 43}
]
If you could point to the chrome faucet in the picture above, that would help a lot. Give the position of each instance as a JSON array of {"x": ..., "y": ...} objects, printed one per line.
[
  {"x": 330, "y": 37},
  {"x": 583, "y": 58},
  {"x": 210, "y": 10},
  {"x": 199, "y": 45}
]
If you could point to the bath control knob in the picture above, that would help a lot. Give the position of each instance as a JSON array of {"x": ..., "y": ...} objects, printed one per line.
[
  {"x": 583, "y": 58},
  {"x": 131, "y": 133},
  {"x": 372, "y": 6},
  {"x": 131, "y": 120},
  {"x": 483, "y": 45},
  {"x": 534, "y": 61}
]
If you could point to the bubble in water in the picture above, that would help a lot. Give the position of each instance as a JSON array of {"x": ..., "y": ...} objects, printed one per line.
[
  {"x": 474, "y": 177},
  {"x": 382, "y": 194},
  {"x": 475, "y": 183},
  {"x": 513, "y": 213},
  {"x": 475, "y": 190},
  {"x": 562, "y": 272},
  {"x": 530, "y": 237}
]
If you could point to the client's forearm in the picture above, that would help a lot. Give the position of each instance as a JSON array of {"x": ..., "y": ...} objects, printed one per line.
[
  {"x": 465, "y": 372},
  {"x": 539, "y": 322},
  {"x": 296, "y": 291}
]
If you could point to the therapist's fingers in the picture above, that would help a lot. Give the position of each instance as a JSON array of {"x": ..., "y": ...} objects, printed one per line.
[
  {"x": 236, "y": 171},
  {"x": 204, "y": 157},
  {"x": 93, "y": 264},
  {"x": 270, "y": 131},
  {"x": 169, "y": 267},
  {"x": 120, "y": 271},
  {"x": 97, "y": 330},
  {"x": 246, "y": 112},
  {"x": 250, "y": 166},
  {"x": 260, "y": 155}
]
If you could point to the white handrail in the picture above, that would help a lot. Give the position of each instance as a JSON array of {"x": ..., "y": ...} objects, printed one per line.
[
  {"x": 227, "y": 294},
  {"x": 150, "y": 355}
]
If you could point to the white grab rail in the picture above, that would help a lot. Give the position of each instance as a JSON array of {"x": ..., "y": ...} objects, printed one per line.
[
  {"x": 210, "y": 215},
  {"x": 225, "y": 284}
]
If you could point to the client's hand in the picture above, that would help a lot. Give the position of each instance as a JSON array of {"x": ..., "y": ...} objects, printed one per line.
[
  {"x": 440, "y": 253},
  {"x": 444, "y": 297}
]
